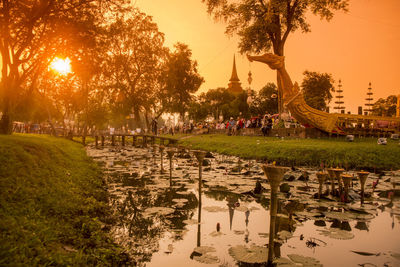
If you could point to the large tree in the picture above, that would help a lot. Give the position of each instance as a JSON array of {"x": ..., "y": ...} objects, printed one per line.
[
  {"x": 317, "y": 88},
  {"x": 385, "y": 107},
  {"x": 136, "y": 52},
  {"x": 215, "y": 99},
  {"x": 32, "y": 32},
  {"x": 181, "y": 79},
  {"x": 263, "y": 25},
  {"x": 266, "y": 100}
]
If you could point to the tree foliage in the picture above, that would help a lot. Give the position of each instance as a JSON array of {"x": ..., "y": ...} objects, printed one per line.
[
  {"x": 180, "y": 80},
  {"x": 262, "y": 24},
  {"x": 266, "y": 100},
  {"x": 136, "y": 56},
  {"x": 385, "y": 107},
  {"x": 317, "y": 88},
  {"x": 32, "y": 32}
]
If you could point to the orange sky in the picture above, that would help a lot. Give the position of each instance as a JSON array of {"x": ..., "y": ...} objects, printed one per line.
[{"x": 359, "y": 47}]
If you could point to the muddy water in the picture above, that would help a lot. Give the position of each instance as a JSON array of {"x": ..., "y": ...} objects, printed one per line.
[{"x": 158, "y": 222}]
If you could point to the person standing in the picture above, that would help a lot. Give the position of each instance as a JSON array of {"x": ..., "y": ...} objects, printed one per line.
[
  {"x": 154, "y": 125},
  {"x": 231, "y": 127}
]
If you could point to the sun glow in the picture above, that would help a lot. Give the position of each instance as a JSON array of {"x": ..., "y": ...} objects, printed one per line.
[{"x": 62, "y": 66}]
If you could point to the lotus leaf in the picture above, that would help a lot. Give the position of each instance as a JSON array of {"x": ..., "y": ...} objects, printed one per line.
[
  {"x": 305, "y": 261},
  {"x": 252, "y": 254},
  {"x": 337, "y": 234}
]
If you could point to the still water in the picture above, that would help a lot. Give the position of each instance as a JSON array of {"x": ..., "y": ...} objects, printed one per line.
[{"x": 158, "y": 220}]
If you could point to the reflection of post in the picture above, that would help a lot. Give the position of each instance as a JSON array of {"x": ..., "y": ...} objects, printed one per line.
[
  {"x": 154, "y": 154},
  {"x": 161, "y": 152},
  {"x": 363, "y": 178},
  {"x": 332, "y": 178},
  {"x": 346, "y": 182},
  {"x": 338, "y": 172},
  {"x": 274, "y": 175},
  {"x": 199, "y": 222},
  {"x": 170, "y": 154},
  {"x": 231, "y": 208},
  {"x": 200, "y": 157},
  {"x": 321, "y": 178}
]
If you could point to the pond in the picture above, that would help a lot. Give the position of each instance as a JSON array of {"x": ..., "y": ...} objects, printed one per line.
[{"x": 161, "y": 222}]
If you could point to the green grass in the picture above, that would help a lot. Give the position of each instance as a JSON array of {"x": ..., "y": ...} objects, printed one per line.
[
  {"x": 52, "y": 205},
  {"x": 176, "y": 136},
  {"x": 88, "y": 140},
  {"x": 360, "y": 154}
]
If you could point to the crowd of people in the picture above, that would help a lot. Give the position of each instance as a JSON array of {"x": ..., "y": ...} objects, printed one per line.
[
  {"x": 232, "y": 126},
  {"x": 264, "y": 123}
]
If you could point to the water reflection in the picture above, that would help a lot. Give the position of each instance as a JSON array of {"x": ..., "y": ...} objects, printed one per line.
[{"x": 166, "y": 236}]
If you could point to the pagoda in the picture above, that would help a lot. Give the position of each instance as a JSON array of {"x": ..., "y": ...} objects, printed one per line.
[
  {"x": 234, "y": 82},
  {"x": 369, "y": 99},
  {"x": 339, "y": 102}
]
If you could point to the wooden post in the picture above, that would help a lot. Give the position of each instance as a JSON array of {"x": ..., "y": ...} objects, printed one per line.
[
  {"x": 96, "y": 140},
  {"x": 112, "y": 140},
  {"x": 84, "y": 140},
  {"x": 133, "y": 140},
  {"x": 102, "y": 140},
  {"x": 123, "y": 140},
  {"x": 144, "y": 138}
]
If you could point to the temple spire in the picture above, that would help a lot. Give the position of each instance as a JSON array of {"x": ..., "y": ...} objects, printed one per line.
[
  {"x": 234, "y": 77},
  {"x": 234, "y": 83}
]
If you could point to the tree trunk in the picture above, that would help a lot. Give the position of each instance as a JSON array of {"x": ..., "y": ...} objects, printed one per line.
[
  {"x": 146, "y": 117},
  {"x": 278, "y": 50},
  {"x": 6, "y": 121},
  {"x": 137, "y": 120}
]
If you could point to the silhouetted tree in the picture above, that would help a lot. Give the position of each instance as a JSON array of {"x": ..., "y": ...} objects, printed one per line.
[
  {"x": 266, "y": 100},
  {"x": 181, "y": 79},
  {"x": 32, "y": 32},
  {"x": 317, "y": 88},
  {"x": 385, "y": 107}
]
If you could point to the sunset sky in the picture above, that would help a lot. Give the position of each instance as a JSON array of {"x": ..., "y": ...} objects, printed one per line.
[{"x": 358, "y": 47}]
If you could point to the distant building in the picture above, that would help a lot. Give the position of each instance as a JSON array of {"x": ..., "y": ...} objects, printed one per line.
[
  {"x": 234, "y": 83},
  {"x": 339, "y": 102},
  {"x": 369, "y": 105}
]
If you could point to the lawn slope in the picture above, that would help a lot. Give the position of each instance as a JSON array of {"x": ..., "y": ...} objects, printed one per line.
[
  {"x": 360, "y": 154},
  {"x": 52, "y": 205}
]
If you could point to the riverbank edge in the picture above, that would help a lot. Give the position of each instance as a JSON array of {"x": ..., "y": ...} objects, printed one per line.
[
  {"x": 53, "y": 205},
  {"x": 362, "y": 154}
]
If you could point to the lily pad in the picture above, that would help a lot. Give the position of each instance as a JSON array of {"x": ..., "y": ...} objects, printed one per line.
[
  {"x": 180, "y": 200},
  {"x": 395, "y": 255},
  {"x": 284, "y": 262},
  {"x": 214, "y": 209},
  {"x": 364, "y": 253},
  {"x": 216, "y": 233},
  {"x": 263, "y": 235},
  {"x": 158, "y": 210},
  {"x": 252, "y": 254},
  {"x": 204, "y": 256},
  {"x": 242, "y": 208},
  {"x": 284, "y": 235},
  {"x": 305, "y": 261},
  {"x": 190, "y": 221},
  {"x": 341, "y": 216},
  {"x": 204, "y": 249},
  {"x": 337, "y": 234}
]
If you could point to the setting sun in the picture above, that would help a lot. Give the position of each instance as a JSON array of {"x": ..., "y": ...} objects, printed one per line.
[{"x": 62, "y": 66}]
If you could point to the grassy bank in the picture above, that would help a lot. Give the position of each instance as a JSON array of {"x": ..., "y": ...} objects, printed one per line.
[
  {"x": 52, "y": 205},
  {"x": 360, "y": 154}
]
